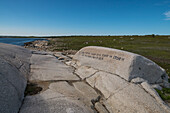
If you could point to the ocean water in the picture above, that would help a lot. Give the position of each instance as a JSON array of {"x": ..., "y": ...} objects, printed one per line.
[{"x": 18, "y": 41}]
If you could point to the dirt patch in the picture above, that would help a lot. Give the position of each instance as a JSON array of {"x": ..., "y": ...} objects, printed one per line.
[{"x": 32, "y": 89}]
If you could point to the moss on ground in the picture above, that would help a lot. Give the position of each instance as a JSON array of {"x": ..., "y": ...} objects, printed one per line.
[{"x": 164, "y": 93}]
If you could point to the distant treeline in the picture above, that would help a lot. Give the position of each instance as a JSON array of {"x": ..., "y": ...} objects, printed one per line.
[{"x": 153, "y": 35}]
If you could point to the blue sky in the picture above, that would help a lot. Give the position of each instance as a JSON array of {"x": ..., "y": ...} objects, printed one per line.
[{"x": 84, "y": 17}]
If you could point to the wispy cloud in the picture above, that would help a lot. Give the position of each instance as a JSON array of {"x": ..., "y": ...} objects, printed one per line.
[
  {"x": 167, "y": 15},
  {"x": 163, "y": 3}
]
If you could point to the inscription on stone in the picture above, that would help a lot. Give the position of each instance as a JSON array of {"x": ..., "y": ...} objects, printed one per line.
[
  {"x": 125, "y": 64},
  {"x": 101, "y": 56}
]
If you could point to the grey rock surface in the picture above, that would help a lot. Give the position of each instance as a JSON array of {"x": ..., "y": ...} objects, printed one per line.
[
  {"x": 70, "y": 91},
  {"x": 85, "y": 72},
  {"x": 47, "y": 67},
  {"x": 41, "y": 52},
  {"x": 82, "y": 85},
  {"x": 157, "y": 86},
  {"x": 66, "y": 93},
  {"x": 14, "y": 71},
  {"x": 86, "y": 90},
  {"x": 13, "y": 76},
  {"x": 17, "y": 56},
  {"x": 100, "y": 108},
  {"x": 107, "y": 83},
  {"x": 138, "y": 80},
  {"x": 147, "y": 87},
  {"x": 134, "y": 99},
  {"x": 10, "y": 101},
  {"x": 59, "y": 98}
]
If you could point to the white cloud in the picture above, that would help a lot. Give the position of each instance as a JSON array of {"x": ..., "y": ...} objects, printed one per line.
[{"x": 167, "y": 14}]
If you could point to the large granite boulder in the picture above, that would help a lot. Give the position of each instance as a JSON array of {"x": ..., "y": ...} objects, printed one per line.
[
  {"x": 14, "y": 70},
  {"x": 125, "y": 64},
  {"x": 124, "y": 79}
]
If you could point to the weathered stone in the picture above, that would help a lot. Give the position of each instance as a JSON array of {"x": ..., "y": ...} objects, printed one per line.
[
  {"x": 65, "y": 89},
  {"x": 125, "y": 64},
  {"x": 68, "y": 63},
  {"x": 156, "y": 86},
  {"x": 59, "y": 98},
  {"x": 9, "y": 98},
  {"x": 107, "y": 83},
  {"x": 69, "y": 91},
  {"x": 52, "y": 102},
  {"x": 47, "y": 67},
  {"x": 59, "y": 55},
  {"x": 13, "y": 76},
  {"x": 42, "y": 52},
  {"x": 133, "y": 99},
  {"x": 100, "y": 108},
  {"x": 166, "y": 84},
  {"x": 85, "y": 71},
  {"x": 14, "y": 69},
  {"x": 70, "y": 56},
  {"x": 75, "y": 63},
  {"x": 40, "y": 43},
  {"x": 86, "y": 90},
  {"x": 16, "y": 56},
  {"x": 137, "y": 80},
  {"x": 152, "y": 92},
  {"x": 91, "y": 80}
]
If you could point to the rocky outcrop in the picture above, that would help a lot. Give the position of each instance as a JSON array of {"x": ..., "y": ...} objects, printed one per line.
[
  {"x": 124, "y": 79},
  {"x": 14, "y": 71},
  {"x": 63, "y": 91},
  {"x": 37, "y": 45},
  {"x": 96, "y": 80}
]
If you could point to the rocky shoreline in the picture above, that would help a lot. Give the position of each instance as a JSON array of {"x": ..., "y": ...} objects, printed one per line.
[
  {"x": 61, "y": 82},
  {"x": 37, "y": 45},
  {"x": 42, "y": 45}
]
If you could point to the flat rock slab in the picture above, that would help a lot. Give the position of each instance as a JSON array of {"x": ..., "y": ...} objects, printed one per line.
[
  {"x": 51, "y": 102},
  {"x": 107, "y": 83},
  {"x": 74, "y": 92},
  {"x": 85, "y": 72},
  {"x": 59, "y": 98},
  {"x": 125, "y": 64},
  {"x": 86, "y": 90},
  {"x": 47, "y": 67},
  {"x": 134, "y": 99}
]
